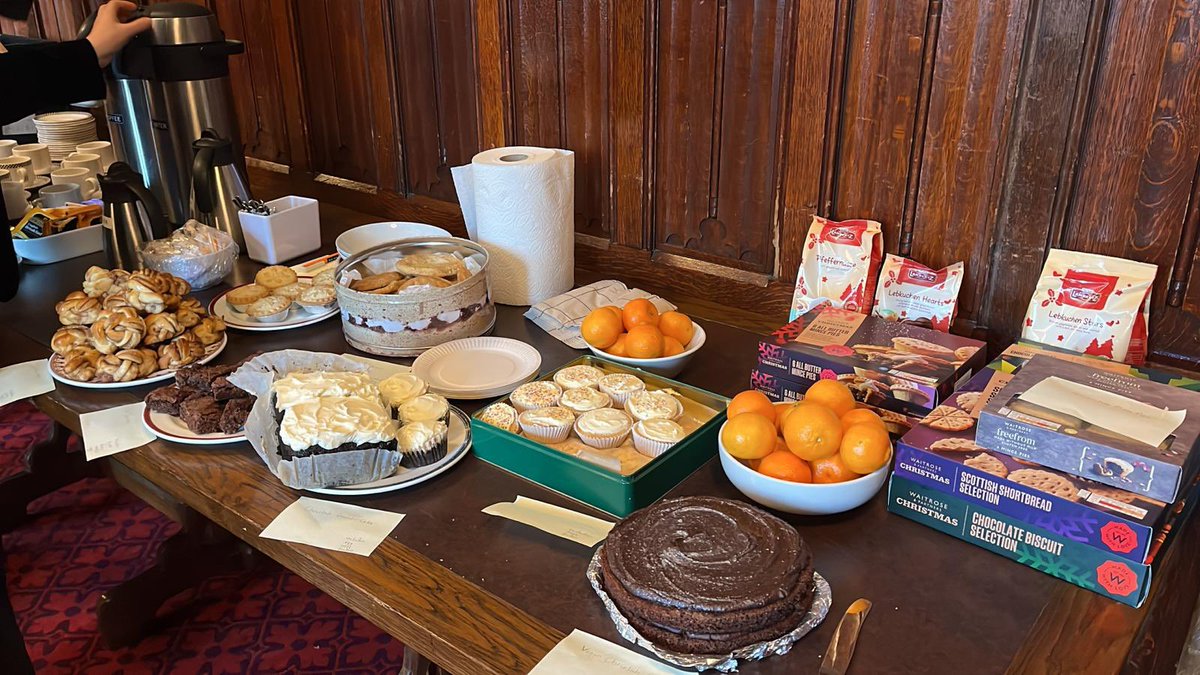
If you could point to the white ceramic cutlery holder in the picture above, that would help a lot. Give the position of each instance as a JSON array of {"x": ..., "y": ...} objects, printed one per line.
[{"x": 292, "y": 230}]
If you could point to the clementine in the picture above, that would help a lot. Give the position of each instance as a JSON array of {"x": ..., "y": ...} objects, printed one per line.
[
  {"x": 639, "y": 312},
  {"x": 677, "y": 325},
  {"x": 600, "y": 328},
  {"x": 862, "y": 416},
  {"x": 812, "y": 431},
  {"x": 785, "y": 466},
  {"x": 782, "y": 410},
  {"x": 671, "y": 346},
  {"x": 614, "y": 309},
  {"x": 751, "y": 401},
  {"x": 865, "y": 447},
  {"x": 832, "y": 394},
  {"x": 831, "y": 470},
  {"x": 618, "y": 347},
  {"x": 748, "y": 436},
  {"x": 644, "y": 342}
]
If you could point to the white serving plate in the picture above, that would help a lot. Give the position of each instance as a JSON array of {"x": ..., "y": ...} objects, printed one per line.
[
  {"x": 55, "y": 366},
  {"x": 171, "y": 428},
  {"x": 480, "y": 367},
  {"x": 459, "y": 445},
  {"x": 61, "y": 246},
  {"x": 296, "y": 318},
  {"x": 363, "y": 237}
]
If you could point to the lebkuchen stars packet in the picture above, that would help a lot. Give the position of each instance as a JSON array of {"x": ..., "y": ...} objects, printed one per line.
[
  {"x": 913, "y": 293},
  {"x": 1092, "y": 304},
  {"x": 839, "y": 265}
]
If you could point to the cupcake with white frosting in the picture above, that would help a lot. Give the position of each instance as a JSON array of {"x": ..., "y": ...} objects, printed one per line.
[
  {"x": 574, "y": 377},
  {"x": 534, "y": 395},
  {"x": 584, "y": 399},
  {"x": 620, "y": 386},
  {"x": 653, "y": 405},
  {"x": 604, "y": 428},
  {"x": 401, "y": 388},
  {"x": 424, "y": 408},
  {"x": 653, "y": 437},
  {"x": 422, "y": 443},
  {"x": 547, "y": 425},
  {"x": 500, "y": 415}
]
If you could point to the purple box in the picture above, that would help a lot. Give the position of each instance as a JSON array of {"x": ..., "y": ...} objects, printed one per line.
[{"x": 780, "y": 389}]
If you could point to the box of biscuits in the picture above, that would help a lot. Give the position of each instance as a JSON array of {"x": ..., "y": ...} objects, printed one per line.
[
  {"x": 1044, "y": 550},
  {"x": 891, "y": 365},
  {"x": 1019, "y": 353},
  {"x": 783, "y": 389},
  {"x": 1113, "y": 428},
  {"x": 941, "y": 453}
]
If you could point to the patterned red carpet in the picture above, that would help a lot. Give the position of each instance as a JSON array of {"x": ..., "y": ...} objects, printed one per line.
[{"x": 93, "y": 535}]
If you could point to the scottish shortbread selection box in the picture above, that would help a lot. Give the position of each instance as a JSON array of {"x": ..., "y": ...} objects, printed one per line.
[
  {"x": 1116, "y": 429},
  {"x": 886, "y": 364}
]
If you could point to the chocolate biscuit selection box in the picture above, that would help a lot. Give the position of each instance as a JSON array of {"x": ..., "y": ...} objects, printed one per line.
[
  {"x": 1087, "y": 567},
  {"x": 886, "y": 364},
  {"x": 950, "y": 461},
  {"x": 1116, "y": 429}
]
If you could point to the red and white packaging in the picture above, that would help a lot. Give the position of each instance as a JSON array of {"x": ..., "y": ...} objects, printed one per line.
[
  {"x": 1092, "y": 304},
  {"x": 839, "y": 265},
  {"x": 911, "y": 292}
]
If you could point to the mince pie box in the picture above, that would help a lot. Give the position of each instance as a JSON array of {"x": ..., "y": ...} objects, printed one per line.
[
  {"x": 1113, "y": 428},
  {"x": 946, "y": 458},
  {"x": 886, "y": 364},
  {"x": 1087, "y": 567}
]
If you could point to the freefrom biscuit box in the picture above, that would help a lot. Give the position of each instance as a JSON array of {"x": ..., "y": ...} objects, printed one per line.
[
  {"x": 1090, "y": 568},
  {"x": 1119, "y": 430},
  {"x": 948, "y": 460},
  {"x": 886, "y": 364}
]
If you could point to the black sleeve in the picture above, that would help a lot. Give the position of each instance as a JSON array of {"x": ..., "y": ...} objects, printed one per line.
[{"x": 52, "y": 73}]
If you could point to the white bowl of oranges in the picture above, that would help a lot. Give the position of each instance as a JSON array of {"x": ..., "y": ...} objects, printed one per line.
[
  {"x": 819, "y": 456},
  {"x": 637, "y": 335}
]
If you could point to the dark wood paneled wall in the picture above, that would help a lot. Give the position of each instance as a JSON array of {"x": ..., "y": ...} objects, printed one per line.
[{"x": 708, "y": 132}]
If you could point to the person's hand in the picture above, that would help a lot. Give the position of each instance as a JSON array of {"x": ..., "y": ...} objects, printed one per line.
[{"x": 109, "y": 33}]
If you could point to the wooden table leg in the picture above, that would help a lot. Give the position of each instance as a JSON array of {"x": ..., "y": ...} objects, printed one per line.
[
  {"x": 48, "y": 467},
  {"x": 199, "y": 551}
]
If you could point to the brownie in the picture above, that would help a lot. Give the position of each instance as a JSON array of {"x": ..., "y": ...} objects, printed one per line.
[
  {"x": 224, "y": 390},
  {"x": 201, "y": 414},
  {"x": 168, "y": 399},
  {"x": 201, "y": 377},
  {"x": 233, "y": 418}
]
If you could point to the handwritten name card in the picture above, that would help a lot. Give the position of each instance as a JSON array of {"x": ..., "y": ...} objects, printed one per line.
[
  {"x": 582, "y": 652},
  {"x": 556, "y": 520},
  {"x": 332, "y": 525},
  {"x": 107, "y": 432},
  {"x": 25, "y": 380}
]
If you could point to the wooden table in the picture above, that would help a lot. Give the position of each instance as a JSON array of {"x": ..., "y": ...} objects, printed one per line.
[{"x": 478, "y": 594}]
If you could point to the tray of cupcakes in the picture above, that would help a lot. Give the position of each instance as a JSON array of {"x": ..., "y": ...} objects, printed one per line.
[
  {"x": 202, "y": 407},
  {"x": 126, "y": 329},
  {"x": 279, "y": 299}
]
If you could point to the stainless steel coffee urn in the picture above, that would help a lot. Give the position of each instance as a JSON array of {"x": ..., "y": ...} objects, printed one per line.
[{"x": 167, "y": 86}]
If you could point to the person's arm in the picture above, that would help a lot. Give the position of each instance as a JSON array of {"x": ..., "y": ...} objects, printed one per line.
[{"x": 43, "y": 75}]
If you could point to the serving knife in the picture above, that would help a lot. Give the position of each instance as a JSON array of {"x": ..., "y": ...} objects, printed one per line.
[{"x": 841, "y": 647}]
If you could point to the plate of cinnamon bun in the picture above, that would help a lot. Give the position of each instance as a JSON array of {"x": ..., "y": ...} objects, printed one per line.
[{"x": 127, "y": 329}]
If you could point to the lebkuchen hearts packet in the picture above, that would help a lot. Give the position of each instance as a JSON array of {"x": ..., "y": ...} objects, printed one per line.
[
  {"x": 913, "y": 293},
  {"x": 1092, "y": 304},
  {"x": 839, "y": 265}
]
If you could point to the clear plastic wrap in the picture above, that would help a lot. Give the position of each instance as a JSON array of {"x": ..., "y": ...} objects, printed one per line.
[{"x": 196, "y": 253}]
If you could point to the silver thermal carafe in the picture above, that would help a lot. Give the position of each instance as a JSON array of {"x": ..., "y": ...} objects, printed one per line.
[
  {"x": 216, "y": 180},
  {"x": 169, "y": 85},
  {"x": 132, "y": 216}
]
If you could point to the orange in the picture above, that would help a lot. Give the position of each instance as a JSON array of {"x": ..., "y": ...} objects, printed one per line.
[
  {"x": 782, "y": 410},
  {"x": 780, "y": 445},
  {"x": 644, "y": 342},
  {"x": 831, "y": 394},
  {"x": 618, "y": 347},
  {"x": 671, "y": 346},
  {"x": 677, "y": 325},
  {"x": 812, "y": 431},
  {"x": 831, "y": 470},
  {"x": 862, "y": 416},
  {"x": 639, "y": 312},
  {"x": 753, "y": 463},
  {"x": 748, "y": 436},
  {"x": 865, "y": 447},
  {"x": 751, "y": 401},
  {"x": 785, "y": 466},
  {"x": 614, "y": 309},
  {"x": 600, "y": 328}
]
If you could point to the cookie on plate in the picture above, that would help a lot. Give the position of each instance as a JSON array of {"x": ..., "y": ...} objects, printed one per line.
[{"x": 1050, "y": 483}]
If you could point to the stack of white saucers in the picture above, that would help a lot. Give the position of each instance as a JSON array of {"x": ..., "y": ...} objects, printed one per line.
[
  {"x": 477, "y": 368},
  {"x": 62, "y": 131}
]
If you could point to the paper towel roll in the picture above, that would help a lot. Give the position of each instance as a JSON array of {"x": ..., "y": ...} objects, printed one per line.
[{"x": 519, "y": 202}]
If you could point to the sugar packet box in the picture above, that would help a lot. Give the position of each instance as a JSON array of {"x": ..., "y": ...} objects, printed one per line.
[
  {"x": 948, "y": 459},
  {"x": 1113, "y": 428},
  {"x": 1111, "y": 576},
  {"x": 886, "y": 364}
]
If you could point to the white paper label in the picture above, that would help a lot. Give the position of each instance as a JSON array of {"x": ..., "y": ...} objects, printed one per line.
[
  {"x": 25, "y": 380},
  {"x": 332, "y": 525},
  {"x": 107, "y": 432},
  {"x": 1125, "y": 416},
  {"x": 556, "y": 520},
  {"x": 582, "y": 652}
]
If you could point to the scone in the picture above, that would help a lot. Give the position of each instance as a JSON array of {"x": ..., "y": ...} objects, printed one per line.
[
  {"x": 574, "y": 377},
  {"x": 275, "y": 276},
  {"x": 534, "y": 395},
  {"x": 243, "y": 296},
  {"x": 605, "y": 428},
  {"x": 547, "y": 425}
]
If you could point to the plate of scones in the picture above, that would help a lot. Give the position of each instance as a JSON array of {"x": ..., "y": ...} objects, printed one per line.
[
  {"x": 279, "y": 299},
  {"x": 202, "y": 407},
  {"x": 127, "y": 329}
]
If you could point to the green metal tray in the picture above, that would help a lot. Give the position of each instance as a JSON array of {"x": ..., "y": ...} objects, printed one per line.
[{"x": 590, "y": 483}]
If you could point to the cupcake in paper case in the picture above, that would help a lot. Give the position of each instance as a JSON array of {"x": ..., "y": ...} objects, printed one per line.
[
  {"x": 620, "y": 386},
  {"x": 500, "y": 415},
  {"x": 422, "y": 443},
  {"x": 534, "y": 395},
  {"x": 653, "y": 405},
  {"x": 401, "y": 388},
  {"x": 584, "y": 399},
  {"x": 547, "y": 425},
  {"x": 604, "y": 429},
  {"x": 654, "y": 437},
  {"x": 424, "y": 408},
  {"x": 574, "y": 377}
]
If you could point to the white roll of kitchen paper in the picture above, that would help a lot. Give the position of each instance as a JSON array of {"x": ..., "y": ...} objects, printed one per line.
[{"x": 519, "y": 202}]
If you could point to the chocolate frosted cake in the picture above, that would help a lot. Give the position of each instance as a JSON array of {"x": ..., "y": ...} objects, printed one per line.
[{"x": 704, "y": 575}]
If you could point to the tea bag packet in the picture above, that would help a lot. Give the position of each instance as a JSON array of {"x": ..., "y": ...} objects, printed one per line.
[
  {"x": 913, "y": 293},
  {"x": 839, "y": 266}
]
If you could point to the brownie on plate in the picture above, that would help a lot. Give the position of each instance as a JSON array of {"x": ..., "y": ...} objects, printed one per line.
[
  {"x": 201, "y": 414},
  {"x": 201, "y": 377},
  {"x": 224, "y": 390},
  {"x": 168, "y": 399},
  {"x": 235, "y": 414}
]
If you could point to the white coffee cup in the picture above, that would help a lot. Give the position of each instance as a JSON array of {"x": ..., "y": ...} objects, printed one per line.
[
  {"x": 78, "y": 175},
  {"x": 53, "y": 196},
  {"x": 6, "y": 147},
  {"x": 86, "y": 160},
  {"x": 16, "y": 199},
  {"x": 20, "y": 169},
  {"x": 39, "y": 153},
  {"x": 102, "y": 148}
]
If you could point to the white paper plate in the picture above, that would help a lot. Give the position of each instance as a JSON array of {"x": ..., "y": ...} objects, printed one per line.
[
  {"x": 171, "y": 428},
  {"x": 55, "y": 367},
  {"x": 296, "y": 317},
  {"x": 477, "y": 367},
  {"x": 459, "y": 445}
]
